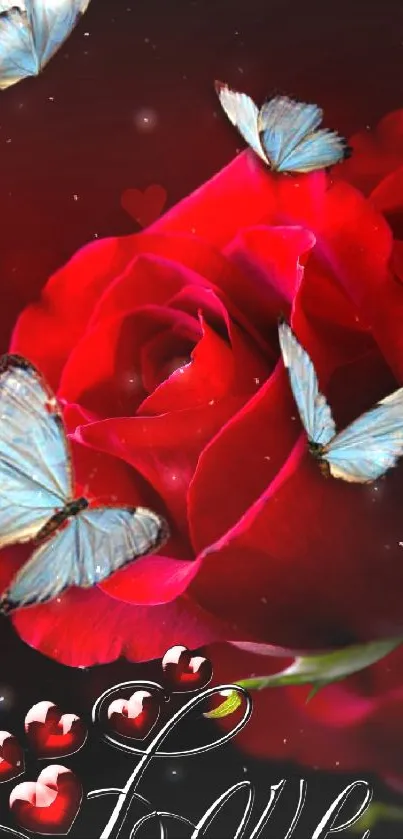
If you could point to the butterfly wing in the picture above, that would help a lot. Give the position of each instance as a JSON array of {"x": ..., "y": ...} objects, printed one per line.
[
  {"x": 35, "y": 476},
  {"x": 243, "y": 113},
  {"x": 17, "y": 55},
  {"x": 51, "y": 22},
  {"x": 313, "y": 409},
  {"x": 32, "y": 33},
  {"x": 92, "y": 546},
  {"x": 316, "y": 151},
  {"x": 289, "y": 137},
  {"x": 282, "y": 123},
  {"x": 371, "y": 445}
]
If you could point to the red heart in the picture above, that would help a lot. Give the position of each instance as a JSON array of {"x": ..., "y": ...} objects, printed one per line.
[
  {"x": 134, "y": 717},
  {"x": 12, "y": 763},
  {"x": 52, "y": 733},
  {"x": 50, "y": 804},
  {"x": 144, "y": 207},
  {"x": 184, "y": 671}
]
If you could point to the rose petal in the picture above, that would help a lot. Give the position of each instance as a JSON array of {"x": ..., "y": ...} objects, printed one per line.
[
  {"x": 162, "y": 355},
  {"x": 277, "y": 589},
  {"x": 270, "y": 259},
  {"x": 355, "y": 244},
  {"x": 219, "y": 309},
  {"x": 231, "y": 461},
  {"x": 69, "y": 298},
  {"x": 110, "y": 383},
  {"x": 149, "y": 279},
  {"x": 387, "y": 195},
  {"x": 270, "y": 418},
  {"x": 106, "y": 479},
  {"x": 293, "y": 734},
  {"x": 108, "y": 629},
  {"x": 376, "y": 153},
  {"x": 253, "y": 193},
  {"x": 66, "y": 304},
  {"x": 74, "y": 415},
  {"x": 387, "y": 199},
  {"x": 339, "y": 728},
  {"x": 164, "y": 449},
  {"x": 151, "y": 581},
  {"x": 204, "y": 380}
]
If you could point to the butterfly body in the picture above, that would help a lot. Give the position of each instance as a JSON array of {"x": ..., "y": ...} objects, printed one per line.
[
  {"x": 285, "y": 134},
  {"x": 71, "y": 509},
  {"x": 362, "y": 452},
  {"x": 318, "y": 453},
  {"x": 76, "y": 544}
]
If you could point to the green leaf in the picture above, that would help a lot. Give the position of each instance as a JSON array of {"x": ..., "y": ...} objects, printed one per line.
[
  {"x": 377, "y": 812},
  {"x": 316, "y": 670},
  {"x": 231, "y": 703}
]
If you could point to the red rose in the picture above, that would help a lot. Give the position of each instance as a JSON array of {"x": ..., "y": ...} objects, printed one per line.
[
  {"x": 351, "y": 726},
  {"x": 163, "y": 347}
]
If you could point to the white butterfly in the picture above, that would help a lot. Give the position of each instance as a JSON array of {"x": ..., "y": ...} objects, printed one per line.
[
  {"x": 77, "y": 545},
  {"x": 31, "y": 32},
  {"x": 368, "y": 447},
  {"x": 284, "y": 133}
]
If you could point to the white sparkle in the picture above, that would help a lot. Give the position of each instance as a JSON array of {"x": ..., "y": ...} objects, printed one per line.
[{"x": 145, "y": 119}]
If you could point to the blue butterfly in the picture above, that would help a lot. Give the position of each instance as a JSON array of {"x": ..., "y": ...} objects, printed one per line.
[
  {"x": 284, "y": 133},
  {"x": 367, "y": 448},
  {"x": 76, "y": 545},
  {"x": 31, "y": 32}
]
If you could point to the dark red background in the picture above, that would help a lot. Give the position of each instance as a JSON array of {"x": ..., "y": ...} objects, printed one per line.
[{"x": 73, "y": 132}]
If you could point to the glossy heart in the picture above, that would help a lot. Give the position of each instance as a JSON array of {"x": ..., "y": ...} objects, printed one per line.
[
  {"x": 144, "y": 207},
  {"x": 184, "y": 671},
  {"x": 134, "y": 717},
  {"x": 52, "y": 733},
  {"x": 12, "y": 762},
  {"x": 50, "y": 804}
]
